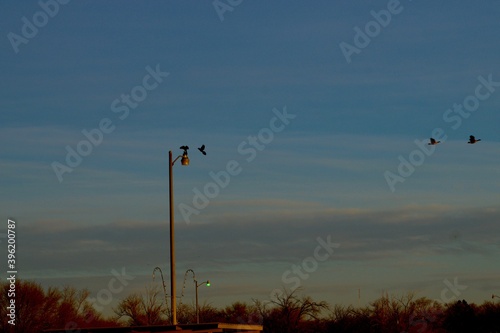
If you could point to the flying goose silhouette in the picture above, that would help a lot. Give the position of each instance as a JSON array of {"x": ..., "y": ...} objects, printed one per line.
[
  {"x": 433, "y": 142},
  {"x": 473, "y": 140}
]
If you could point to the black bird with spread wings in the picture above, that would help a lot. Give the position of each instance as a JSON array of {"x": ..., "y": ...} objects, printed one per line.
[
  {"x": 202, "y": 149},
  {"x": 185, "y": 148},
  {"x": 473, "y": 140}
]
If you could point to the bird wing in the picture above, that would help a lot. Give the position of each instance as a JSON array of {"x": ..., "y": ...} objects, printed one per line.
[
  {"x": 432, "y": 140},
  {"x": 472, "y": 138}
]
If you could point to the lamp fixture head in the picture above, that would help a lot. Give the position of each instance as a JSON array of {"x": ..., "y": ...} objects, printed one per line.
[{"x": 185, "y": 159}]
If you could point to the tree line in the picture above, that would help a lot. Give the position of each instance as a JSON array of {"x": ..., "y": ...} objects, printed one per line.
[{"x": 288, "y": 312}]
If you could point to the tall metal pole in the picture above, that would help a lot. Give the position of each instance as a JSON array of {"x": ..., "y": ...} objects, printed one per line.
[{"x": 172, "y": 247}]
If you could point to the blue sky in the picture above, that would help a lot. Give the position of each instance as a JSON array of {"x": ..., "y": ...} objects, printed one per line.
[{"x": 321, "y": 172}]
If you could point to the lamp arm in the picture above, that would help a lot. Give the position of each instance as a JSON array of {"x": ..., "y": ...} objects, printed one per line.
[{"x": 176, "y": 159}]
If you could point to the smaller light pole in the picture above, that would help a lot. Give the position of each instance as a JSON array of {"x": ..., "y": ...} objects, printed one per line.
[
  {"x": 163, "y": 282},
  {"x": 197, "y": 308}
]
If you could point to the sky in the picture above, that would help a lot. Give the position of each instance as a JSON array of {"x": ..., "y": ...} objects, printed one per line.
[{"x": 315, "y": 118}]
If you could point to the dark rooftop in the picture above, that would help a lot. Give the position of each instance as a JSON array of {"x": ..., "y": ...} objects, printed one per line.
[{"x": 200, "y": 328}]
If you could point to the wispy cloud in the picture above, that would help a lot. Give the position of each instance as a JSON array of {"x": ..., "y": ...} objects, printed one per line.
[{"x": 365, "y": 235}]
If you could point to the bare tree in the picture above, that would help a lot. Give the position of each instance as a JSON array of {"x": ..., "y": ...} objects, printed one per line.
[
  {"x": 241, "y": 313},
  {"x": 37, "y": 309},
  {"x": 142, "y": 309},
  {"x": 289, "y": 311},
  {"x": 404, "y": 313}
]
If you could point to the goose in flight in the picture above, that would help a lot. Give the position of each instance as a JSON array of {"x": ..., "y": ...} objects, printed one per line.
[
  {"x": 433, "y": 142},
  {"x": 473, "y": 140},
  {"x": 202, "y": 149}
]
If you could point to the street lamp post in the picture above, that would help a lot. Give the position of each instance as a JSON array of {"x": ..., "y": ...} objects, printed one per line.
[
  {"x": 197, "y": 308},
  {"x": 184, "y": 161},
  {"x": 172, "y": 247}
]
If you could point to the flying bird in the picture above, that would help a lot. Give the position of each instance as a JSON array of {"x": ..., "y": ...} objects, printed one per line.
[
  {"x": 473, "y": 140},
  {"x": 433, "y": 142},
  {"x": 202, "y": 149}
]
